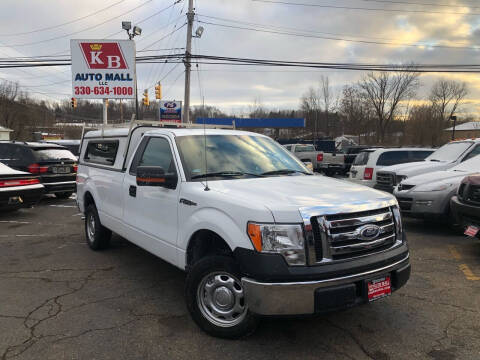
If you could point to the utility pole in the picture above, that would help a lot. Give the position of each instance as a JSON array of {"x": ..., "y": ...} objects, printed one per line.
[
  {"x": 188, "y": 53},
  {"x": 121, "y": 112},
  {"x": 105, "y": 107}
]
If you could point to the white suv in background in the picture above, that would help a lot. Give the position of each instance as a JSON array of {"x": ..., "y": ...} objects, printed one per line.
[{"x": 368, "y": 162}]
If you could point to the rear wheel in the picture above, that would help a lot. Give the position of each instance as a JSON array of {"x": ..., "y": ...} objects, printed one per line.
[
  {"x": 63, "y": 195},
  {"x": 98, "y": 236},
  {"x": 216, "y": 299}
]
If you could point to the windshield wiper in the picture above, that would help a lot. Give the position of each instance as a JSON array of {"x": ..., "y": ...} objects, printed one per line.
[
  {"x": 224, "y": 174},
  {"x": 284, "y": 172}
]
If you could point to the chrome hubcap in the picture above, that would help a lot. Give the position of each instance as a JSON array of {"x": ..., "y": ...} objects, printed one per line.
[
  {"x": 221, "y": 299},
  {"x": 91, "y": 228}
]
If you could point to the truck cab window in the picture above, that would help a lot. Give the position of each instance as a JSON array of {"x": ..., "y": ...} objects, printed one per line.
[
  {"x": 158, "y": 153},
  {"x": 101, "y": 152}
]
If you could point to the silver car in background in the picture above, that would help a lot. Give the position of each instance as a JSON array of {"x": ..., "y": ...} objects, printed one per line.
[{"x": 428, "y": 195}]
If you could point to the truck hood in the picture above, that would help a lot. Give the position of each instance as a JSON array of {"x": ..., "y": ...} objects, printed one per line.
[
  {"x": 417, "y": 168},
  {"x": 436, "y": 177},
  {"x": 284, "y": 196}
]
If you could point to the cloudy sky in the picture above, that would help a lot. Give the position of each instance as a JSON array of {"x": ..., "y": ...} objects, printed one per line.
[{"x": 361, "y": 31}]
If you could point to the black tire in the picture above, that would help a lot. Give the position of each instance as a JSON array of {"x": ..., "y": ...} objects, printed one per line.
[
  {"x": 100, "y": 236},
  {"x": 63, "y": 195},
  {"x": 218, "y": 266}
]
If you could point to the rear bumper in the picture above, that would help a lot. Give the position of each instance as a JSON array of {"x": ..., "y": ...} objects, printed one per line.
[
  {"x": 309, "y": 297},
  {"x": 29, "y": 196},
  {"x": 62, "y": 186}
]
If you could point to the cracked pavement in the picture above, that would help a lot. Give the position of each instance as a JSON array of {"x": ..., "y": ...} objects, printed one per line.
[{"x": 60, "y": 300}]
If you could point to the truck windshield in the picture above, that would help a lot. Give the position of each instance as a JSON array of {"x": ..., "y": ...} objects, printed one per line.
[
  {"x": 449, "y": 152},
  {"x": 235, "y": 155}
]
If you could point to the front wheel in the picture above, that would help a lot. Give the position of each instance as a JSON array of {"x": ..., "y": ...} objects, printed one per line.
[
  {"x": 216, "y": 299},
  {"x": 98, "y": 236}
]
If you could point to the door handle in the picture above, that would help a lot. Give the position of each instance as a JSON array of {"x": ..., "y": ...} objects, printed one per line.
[{"x": 132, "y": 191}]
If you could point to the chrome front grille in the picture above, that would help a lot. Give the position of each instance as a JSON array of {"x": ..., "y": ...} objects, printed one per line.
[
  {"x": 474, "y": 194},
  {"x": 345, "y": 236},
  {"x": 385, "y": 179}
]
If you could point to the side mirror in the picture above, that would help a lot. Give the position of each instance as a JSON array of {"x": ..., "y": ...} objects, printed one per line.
[{"x": 155, "y": 176}]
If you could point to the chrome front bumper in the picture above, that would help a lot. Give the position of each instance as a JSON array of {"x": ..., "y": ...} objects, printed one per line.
[{"x": 298, "y": 298}]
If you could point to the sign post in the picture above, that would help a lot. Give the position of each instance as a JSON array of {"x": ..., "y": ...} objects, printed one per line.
[{"x": 103, "y": 69}]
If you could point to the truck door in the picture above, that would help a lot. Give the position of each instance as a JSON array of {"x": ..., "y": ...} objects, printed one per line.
[{"x": 150, "y": 212}]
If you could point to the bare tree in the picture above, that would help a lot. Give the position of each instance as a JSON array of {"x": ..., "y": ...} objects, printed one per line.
[
  {"x": 446, "y": 97},
  {"x": 309, "y": 104},
  {"x": 257, "y": 109},
  {"x": 327, "y": 100},
  {"x": 355, "y": 111},
  {"x": 385, "y": 91}
]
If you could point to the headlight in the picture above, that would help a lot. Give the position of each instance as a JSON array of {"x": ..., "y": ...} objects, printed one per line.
[
  {"x": 432, "y": 187},
  {"x": 398, "y": 222},
  {"x": 400, "y": 178},
  {"x": 287, "y": 240}
]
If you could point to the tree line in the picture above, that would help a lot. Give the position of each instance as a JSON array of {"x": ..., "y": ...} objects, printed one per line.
[{"x": 381, "y": 108}]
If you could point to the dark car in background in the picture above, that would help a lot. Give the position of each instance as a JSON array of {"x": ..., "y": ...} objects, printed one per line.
[
  {"x": 55, "y": 165},
  {"x": 18, "y": 189},
  {"x": 72, "y": 145},
  {"x": 465, "y": 205}
]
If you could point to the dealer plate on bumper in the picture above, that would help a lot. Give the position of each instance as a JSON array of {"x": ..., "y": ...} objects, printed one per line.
[{"x": 379, "y": 288}]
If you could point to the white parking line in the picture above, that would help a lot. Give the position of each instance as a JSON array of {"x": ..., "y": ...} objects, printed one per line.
[
  {"x": 64, "y": 206},
  {"x": 25, "y": 235},
  {"x": 15, "y": 222}
]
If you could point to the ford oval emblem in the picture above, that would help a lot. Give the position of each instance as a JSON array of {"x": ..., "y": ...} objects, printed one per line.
[
  {"x": 369, "y": 232},
  {"x": 170, "y": 105}
]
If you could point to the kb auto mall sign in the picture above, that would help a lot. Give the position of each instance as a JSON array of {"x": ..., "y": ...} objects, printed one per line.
[{"x": 103, "y": 69}]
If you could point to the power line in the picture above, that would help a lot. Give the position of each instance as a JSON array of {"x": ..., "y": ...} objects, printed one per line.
[
  {"x": 163, "y": 27},
  {"x": 420, "y": 4},
  {"x": 163, "y": 37},
  {"x": 279, "y": 32},
  {"x": 65, "y": 23},
  {"x": 363, "y": 8},
  {"x": 174, "y": 81},
  {"x": 276, "y": 27},
  {"x": 147, "y": 18},
  {"x": 80, "y": 31}
]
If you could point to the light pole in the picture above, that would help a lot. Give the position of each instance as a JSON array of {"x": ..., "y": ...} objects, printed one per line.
[
  {"x": 454, "y": 119},
  {"x": 137, "y": 31}
]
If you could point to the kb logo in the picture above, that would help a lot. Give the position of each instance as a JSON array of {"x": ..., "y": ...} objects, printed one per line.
[{"x": 103, "y": 55}]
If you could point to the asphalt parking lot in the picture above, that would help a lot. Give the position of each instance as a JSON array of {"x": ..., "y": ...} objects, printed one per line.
[{"x": 60, "y": 300}]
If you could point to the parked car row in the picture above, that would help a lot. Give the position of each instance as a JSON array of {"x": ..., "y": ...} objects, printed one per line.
[
  {"x": 440, "y": 184},
  {"x": 30, "y": 169},
  {"x": 55, "y": 165},
  {"x": 444, "y": 158},
  {"x": 368, "y": 162}
]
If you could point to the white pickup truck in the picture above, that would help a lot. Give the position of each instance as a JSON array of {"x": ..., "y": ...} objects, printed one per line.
[{"x": 255, "y": 231}]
